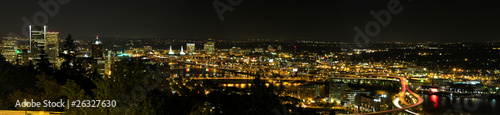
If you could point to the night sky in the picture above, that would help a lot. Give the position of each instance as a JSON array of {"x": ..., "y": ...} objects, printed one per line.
[{"x": 329, "y": 20}]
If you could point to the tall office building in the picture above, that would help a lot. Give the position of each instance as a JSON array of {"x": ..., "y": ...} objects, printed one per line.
[
  {"x": 97, "y": 49},
  {"x": 210, "y": 46},
  {"x": 52, "y": 48},
  {"x": 38, "y": 39},
  {"x": 9, "y": 50},
  {"x": 190, "y": 48},
  {"x": 98, "y": 55}
]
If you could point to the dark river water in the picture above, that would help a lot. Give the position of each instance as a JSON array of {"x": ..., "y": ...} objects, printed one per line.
[{"x": 440, "y": 105}]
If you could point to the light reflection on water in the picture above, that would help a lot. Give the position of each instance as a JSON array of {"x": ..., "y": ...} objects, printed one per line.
[{"x": 434, "y": 100}]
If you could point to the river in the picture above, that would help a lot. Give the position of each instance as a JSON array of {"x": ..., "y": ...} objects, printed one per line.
[{"x": 434, "y": 104}]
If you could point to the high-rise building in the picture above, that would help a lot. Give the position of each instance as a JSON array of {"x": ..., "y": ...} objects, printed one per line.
[
  {"x": 190, "y": 48},
  {"x": 38, "y": 39},
  {"x": 52, "y": 46},
  {"x": 97, "y": 49},
  {"x": 210, "y": 46},
  {"x": 9, "y": 50},
  {"x": 97, "y": 53}
]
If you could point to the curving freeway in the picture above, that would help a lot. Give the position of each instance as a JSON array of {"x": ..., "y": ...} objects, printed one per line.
[{"x": 404, "y": 89}]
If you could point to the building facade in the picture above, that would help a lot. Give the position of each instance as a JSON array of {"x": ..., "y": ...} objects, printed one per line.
[
  {"x": 23, "y": 57},
  {"x": 210, "y": 47},
  {"x": 190, "y": 48},
  {"x": 97, "y": 49},
  {"x": 9, "y": 50},
  {"x": 38, "y": 39},
  {"x": 52, "y": 48}
]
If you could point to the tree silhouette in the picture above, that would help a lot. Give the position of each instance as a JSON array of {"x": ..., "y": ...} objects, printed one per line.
[
  {"x": 127, "y": 76},
  {"x": 49, "y": 89},
  {"x": 259, "y": 99},
  {"x": 70, "y": 48},
  {"x": 263, "y": 99},
  {"x": 44, "y": 65},
  {"x": 14, "y": 78},
  {"x": 70, "y": 66}
]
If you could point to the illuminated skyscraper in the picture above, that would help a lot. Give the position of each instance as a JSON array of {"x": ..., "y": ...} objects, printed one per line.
[
  {"x": 52, "y": 46},
  {"x": 38, "y": 39},
  {"x": 190, "y": 48},
  {"x": 97, "y": 49},
  {"x": 9, "y": 50},
  {"x": 98, "y": 55},
  {"x": 209, "y": 46}
]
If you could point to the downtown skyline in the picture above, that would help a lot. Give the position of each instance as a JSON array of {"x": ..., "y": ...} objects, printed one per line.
[{"x": 259, "y": 57}]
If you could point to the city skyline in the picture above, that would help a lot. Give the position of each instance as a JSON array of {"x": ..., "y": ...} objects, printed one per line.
[{"x": 263, "y": 57}]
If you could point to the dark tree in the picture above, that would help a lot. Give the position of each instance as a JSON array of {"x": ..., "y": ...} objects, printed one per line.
[
  {"x": 69, "y": 49},
  {"x": 14, "y": 78},
  {"x": 68, "y": 54},
  {"x": 44, "y": 65},
  {"x": 70, "y": 67}
]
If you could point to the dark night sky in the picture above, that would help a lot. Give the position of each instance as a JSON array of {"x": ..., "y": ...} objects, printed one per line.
[{"x": 331, "y": 20}]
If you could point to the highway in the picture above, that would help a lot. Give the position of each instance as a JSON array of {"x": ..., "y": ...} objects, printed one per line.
[{"x": 404, "y": 89}]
